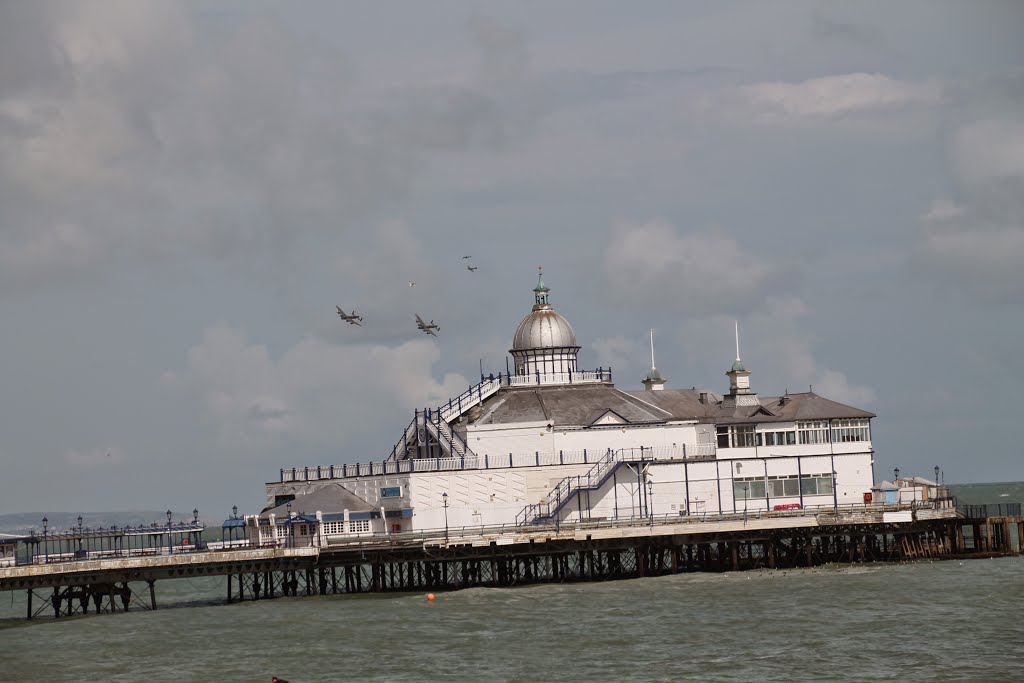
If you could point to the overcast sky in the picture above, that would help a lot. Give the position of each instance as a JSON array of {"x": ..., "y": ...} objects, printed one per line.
[{"x": 187, "y": 190}]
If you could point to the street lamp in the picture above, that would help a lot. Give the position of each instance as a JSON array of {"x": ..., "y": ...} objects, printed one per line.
[
  {"x": 896, "y": 475},
  {"x": 650, "y": 499},
  {"x": 170, "y": 546},
  {"x": 835, "y": 492},
  {"x": 745, "y": 489},
  {"x": 79, "y": 533},
  {"x": 291, "y": 529},
  {"x": 444, "y": 502},
  {"x": 936, "y": 481},
  {"x": 46, "y": 548},
  {"x": 234, "y": 512}
]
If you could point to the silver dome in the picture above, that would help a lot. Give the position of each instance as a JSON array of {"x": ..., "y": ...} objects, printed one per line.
[{"x": 543, "y": 329}]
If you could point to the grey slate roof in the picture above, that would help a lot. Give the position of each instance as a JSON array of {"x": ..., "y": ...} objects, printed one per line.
[
  {"x": 580, "y": 405},
  {"x": 576, "y": 405},
  {"x": 327, "y": 499}
]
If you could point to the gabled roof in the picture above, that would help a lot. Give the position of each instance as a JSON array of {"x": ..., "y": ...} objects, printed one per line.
[
  {"x": 810, "y": 406},
  {"x": 328, "y": 499},
  {"x": 583, "y": 405},
  {"x": 566, "y": 406},
  {"x": 608, "y": 417}
]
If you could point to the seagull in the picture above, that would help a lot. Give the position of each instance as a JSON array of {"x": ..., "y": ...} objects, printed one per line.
[
  {"x": 411, "y": 283},
  {"x": 471, "y": 268},
  {"x": 467, "y": 257}
]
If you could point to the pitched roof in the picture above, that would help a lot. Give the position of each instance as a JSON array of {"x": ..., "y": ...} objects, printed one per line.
[
  {"x": 327, "y": 499},
  {"x": 574, "y": 405}
]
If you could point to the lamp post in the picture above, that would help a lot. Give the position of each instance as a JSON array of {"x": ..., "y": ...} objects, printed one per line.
[
  {"x": 234, "y": 512},
  {"x": 46, "y": 548},
  {"x": 896, "y": 475},
  {"x": 835, "y": 492},
  {"x": 444, "y": 502},
  {"x": 936, "y": 482},
  {"x": 170, "y": 546},
  {"x": 745, "y": 489},
  {"x": 79, "y": 534},
  {"x": 289, "y": 540},
  {"x": 650, "y": 499}
]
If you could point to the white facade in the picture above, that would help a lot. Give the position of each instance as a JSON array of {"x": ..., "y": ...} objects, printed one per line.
[{"x": 551, "y": 444}]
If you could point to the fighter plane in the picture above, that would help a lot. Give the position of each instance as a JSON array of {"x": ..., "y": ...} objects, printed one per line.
[
  {"x": 471, "y": 268},
  {"x": 430, "y": 328},
  {"x": 354, "y": 319}
]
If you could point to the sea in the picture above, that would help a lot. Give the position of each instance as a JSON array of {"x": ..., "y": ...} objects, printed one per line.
[{"x": 923, "y": 621}]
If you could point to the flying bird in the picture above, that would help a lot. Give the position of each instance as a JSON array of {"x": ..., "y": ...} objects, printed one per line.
[
  {"x": 411, "y": 283},
  {"x": 471, "y": 268},
  {"x": 353, "y": 319},
  {"x": 467, "y": 257}
]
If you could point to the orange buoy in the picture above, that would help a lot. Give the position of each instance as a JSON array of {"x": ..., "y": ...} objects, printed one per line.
[{"x": 430, "y": 597}]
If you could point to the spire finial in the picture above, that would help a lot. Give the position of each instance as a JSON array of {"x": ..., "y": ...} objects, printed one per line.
[
  {"x": 737, "y": 339},
  {"x": 540, "y": 292},
  {"x": 652, "y": 348}
]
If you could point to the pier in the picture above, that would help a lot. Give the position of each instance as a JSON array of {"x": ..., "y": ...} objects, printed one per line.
[{"x": 451, "y": 559}]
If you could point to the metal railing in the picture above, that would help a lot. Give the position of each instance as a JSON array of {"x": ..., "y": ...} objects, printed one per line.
[
  {"x": 474, "y": 461},
  {"x": 989, "y": 510},
  {"x": 594, "y": 478},
  {"x": 599, "y": 376}
]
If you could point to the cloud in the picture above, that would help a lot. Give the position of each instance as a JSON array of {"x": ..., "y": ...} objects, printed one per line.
[
  {"x": 980, "y": 240},
  {"x": 652, "y": 264},
  {"x": 859, "y": 34},
  {"x": 618, "y": 352},
  {"x": 316, "y": 394},
  {"x": 132, "y": 132},
  {"x": 776, "y": 346},
  {"x": 824, "y": 99},
  {"x": 96, "y": 457}
]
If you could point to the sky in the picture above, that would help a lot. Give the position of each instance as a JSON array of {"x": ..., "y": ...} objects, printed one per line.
[{"x": 188, "y": 189}]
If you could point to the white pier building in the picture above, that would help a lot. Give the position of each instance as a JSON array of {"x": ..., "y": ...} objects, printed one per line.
[{"x": 551, "y": 444}]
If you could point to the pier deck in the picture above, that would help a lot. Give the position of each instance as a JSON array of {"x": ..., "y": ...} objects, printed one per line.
[{"x": 506, "y": 556}]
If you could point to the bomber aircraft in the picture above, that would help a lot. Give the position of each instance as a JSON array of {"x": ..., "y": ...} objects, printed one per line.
[
  {"x": 353, "y": 319},
  {"x": 430, "y": 328}
]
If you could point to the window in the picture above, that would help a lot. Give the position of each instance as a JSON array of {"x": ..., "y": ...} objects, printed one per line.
[
  {"x": 779, "y": 438},
  {"x": 333, "y": 528},
  {"x": 845, "y": 431},
  {"x": 359, "y": 525},
  {"x": 782, "y": 487},
  {"x": 738, "y": 436},
  {"x": 813, "y": 432},
  {"x": 391, "y": 492}
]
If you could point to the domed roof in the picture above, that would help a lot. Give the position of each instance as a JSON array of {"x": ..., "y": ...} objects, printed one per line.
[{"x": 543, "y": 328}]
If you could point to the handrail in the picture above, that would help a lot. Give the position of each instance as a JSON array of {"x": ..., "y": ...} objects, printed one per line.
[
  {"x": 593, "y": 479},
  {"x": 485, "y": 461}
]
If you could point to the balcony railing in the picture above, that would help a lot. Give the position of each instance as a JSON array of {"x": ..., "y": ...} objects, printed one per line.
[{"x": 484, "y": 462}]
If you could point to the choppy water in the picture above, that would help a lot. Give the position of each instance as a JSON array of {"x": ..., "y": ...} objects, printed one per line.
[{"x": 955, "y": 621}]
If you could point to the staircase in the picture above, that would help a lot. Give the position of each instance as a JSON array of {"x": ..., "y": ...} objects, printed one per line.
[
  {"x": 547, "y": 510},
  {"x": 436, "y": 422},
  {"x": 473, "y": 396}
]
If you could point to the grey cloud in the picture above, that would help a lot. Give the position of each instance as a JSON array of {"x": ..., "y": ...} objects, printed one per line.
[
  {"x": 212, "y": 143},
  {"x": 654, "y": 265},
  {"x": 840, "y": 98},
  {"x": 830, "y": 27}
]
